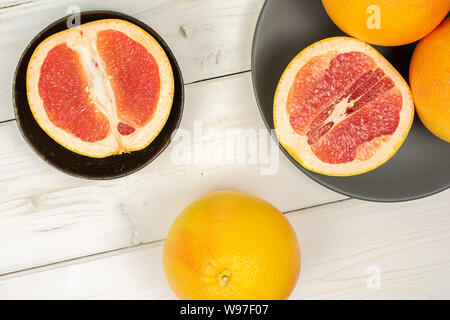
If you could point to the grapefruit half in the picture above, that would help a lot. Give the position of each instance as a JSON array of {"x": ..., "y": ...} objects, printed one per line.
[
  {"x": 341, "y": 109},
  {"x": 102, "y": 88}
]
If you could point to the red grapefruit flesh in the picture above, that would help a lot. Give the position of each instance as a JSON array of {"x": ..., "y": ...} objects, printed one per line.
[
  {"x": 341, "y": 108},
  {"x": 125, "y": 129},
  {"x": 62, "y": 87},
  {"x": 102, "y": 88},
  {"x": 134, "y": 76}
]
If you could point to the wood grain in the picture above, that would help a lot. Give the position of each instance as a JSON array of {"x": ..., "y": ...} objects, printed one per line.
[{"x": 339, "y": 243}]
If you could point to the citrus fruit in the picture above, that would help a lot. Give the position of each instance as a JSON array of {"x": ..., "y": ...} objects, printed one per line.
[
  {"x": 429, "y": 78},
  {"x": 230, "y": 245},
  {"x": 387, "y": 22},
  {"x": 341, "y": 109},
  {"x": 102, "y": 88}
]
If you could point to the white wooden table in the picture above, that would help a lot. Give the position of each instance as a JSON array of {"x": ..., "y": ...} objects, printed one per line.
[{"x": 63, "y": 237}]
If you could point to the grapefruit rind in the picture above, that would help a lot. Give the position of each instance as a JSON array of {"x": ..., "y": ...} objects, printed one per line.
[
  {"x": 430, "y": 81},
  {"x": 387, "y": 22},
  {"x": 297, "y": 145},
  {"x": 108, "y": 146}
]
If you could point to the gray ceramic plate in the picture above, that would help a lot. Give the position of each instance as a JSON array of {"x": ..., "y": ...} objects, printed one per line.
[{"x": 422, "y": 165}]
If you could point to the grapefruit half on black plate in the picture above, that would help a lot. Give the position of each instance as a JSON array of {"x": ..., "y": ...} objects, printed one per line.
[{"x": 99, "y": 100}]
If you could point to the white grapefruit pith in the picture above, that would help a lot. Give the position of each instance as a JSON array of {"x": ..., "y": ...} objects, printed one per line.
[
  {"x": 341, "y": 109},
  {"x": 102, "y": 88}
]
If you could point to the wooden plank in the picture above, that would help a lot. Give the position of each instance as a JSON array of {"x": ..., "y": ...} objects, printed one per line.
[
  {"x": 347, "y": 243},
  {"x": 209, "y": 37},
  {"x": 11, "y": 3},
  {"x": 407, "y": 242},
  {"x": 47, "y": 216}
]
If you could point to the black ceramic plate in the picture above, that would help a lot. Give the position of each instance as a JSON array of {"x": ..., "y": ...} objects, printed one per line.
[
  {"x": 422, "y": 165},
  {"x": 68, "y": 161}
]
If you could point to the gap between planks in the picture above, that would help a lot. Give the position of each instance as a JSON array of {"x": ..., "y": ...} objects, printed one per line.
[
  {"x": 118, "y": 251},
  {"x": 186, "y": 84},
  {"x": 6, "y": 121}
]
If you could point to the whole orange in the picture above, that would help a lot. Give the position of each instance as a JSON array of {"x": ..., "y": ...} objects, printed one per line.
[
  {"x": 387, "y": 22},
  {"x": 429, "y": 77},
  {"x": 230, "y": 245}
]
